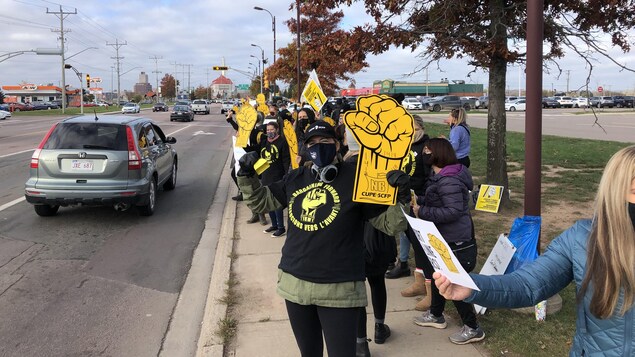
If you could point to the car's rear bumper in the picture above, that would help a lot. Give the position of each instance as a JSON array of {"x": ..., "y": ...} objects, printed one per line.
[{"x": 88, "y": 198}]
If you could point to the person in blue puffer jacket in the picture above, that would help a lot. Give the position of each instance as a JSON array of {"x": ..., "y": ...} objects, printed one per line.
[
  {"x": 598, "y": 255},
  {"x": 445, "y": 203}
]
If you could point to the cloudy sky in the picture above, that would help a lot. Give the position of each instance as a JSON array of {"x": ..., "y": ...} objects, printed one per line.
[{"x": 205, "y": 33}]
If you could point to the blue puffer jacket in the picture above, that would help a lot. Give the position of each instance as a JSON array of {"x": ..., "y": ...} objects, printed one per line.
[
  {"x": 563, "y": 262},
  {"x": 445, "y": 203}
]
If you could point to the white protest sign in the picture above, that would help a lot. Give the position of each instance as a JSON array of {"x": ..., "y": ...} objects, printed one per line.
[
  {"x": 497, "y": 262},
  {"x": 439, "y": 253}
]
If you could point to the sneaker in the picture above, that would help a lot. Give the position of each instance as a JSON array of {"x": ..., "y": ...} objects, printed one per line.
[
  {"x": 362, "y": 349},
  {"x": 278, "y": 233},
  {"x": 399, "y": 271},
  {"x": 270, "y": 229},
  {"x": 382, "y": 332},
  {"x": 467, "y": 335},
  {"x": 390, "y": 267},
  {"x": 238, "y": 197},
  {"x": 428, "y": 320}
]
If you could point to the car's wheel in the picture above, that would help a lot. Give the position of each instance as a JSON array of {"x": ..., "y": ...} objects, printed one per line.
[
  {"x": 16, "y": 109},
  {"x": 436, "y": 108},
  {"x": 170, "y": 184},
  {"x": 148, "y": 209},
  {"x": 576, "y": 106},
  {"x": 512, "y": 109},
  {"x": 466, "y": 107},
  {"x": 46, "y": 210}
]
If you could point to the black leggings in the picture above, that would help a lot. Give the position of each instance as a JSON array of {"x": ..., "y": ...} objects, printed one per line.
[
  {"x": 465, "y": 161},
  {"x": 338, "y": 325},
  {"x": 421, "y": 259},
  {"x": 467, "y": 257},
  {"x": 379, "y": 299}
]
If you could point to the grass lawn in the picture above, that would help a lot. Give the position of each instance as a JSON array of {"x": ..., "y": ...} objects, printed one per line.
[
  {"x": 571, "y": 172},
  {"x": 73, "y": 111}
]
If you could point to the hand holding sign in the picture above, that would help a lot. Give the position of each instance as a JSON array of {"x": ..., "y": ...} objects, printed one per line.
[
  {"x": 246, "y": 120},
  {"x": 384, "y": 130}
]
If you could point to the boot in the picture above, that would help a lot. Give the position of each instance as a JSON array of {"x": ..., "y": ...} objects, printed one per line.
[
  {"x": 254, "y": 218},
  {"x": 238, "y": 197},
  {"x": 263, "y": 219},
  {"x": 424, "y": 304},
  {"x": 382, "y": 332},
  {"x": 362, "y": 349},
  {"x": 398, "y": 271},
  {"x": 417, "y": 288}
]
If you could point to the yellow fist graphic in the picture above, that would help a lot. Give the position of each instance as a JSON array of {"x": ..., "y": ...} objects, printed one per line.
[
  {"x": 443, "y": 252},
  {"x": 384, "y": 130},
  {"x": 312, "y": 201},
  {"x": 262, "y": 106},
  {"x": 246, "y": 120},
  {"x": 292, "y": 142}
]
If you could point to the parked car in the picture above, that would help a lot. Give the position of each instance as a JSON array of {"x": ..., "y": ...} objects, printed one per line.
[
  {"x": 565, "y": 102},
  {"x": 622, "y": 101},
  {"x": 130, "y": 108},
  {"x": 112, "y": 160},
  {"x": 182, "y": 113},
  {"x": 581, "y": 102},
  {"x": 18, "y": 107},
  {"x": 102, "y": 104},
  {"x": 448, "y": 102},
  {"x": 160, "y": 107},
  {"x": 515, "y": 105},
  {"x": 550, "y": 102},
  {"x": 200, "y": 106},
  {"x": 603, "y": 102},
  {"x": 411, "y": 103},
  {"x": 4, "y": 114},
  {"x": 483, "y": 102},
  {"x": 4, "y": 107},
  {"x": 44, "y": 106}
]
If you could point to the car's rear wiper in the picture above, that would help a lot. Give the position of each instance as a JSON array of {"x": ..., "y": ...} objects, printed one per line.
[{"x": 97, "y": 147}]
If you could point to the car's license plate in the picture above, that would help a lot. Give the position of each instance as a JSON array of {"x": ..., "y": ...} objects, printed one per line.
[{"x": 82, "y": 165}]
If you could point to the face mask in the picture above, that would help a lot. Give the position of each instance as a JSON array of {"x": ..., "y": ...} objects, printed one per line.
[
  {"x": 271, "y": 135},
  {"x": 631, "y": 212},
  {"x": 322, "y": 154}
]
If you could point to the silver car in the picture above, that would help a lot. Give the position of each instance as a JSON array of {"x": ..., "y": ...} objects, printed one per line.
[{"x": 113, "y": 160}]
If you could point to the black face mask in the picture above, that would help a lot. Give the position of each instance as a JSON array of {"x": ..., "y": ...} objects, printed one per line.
[
  {"x": 322, "y": 154},
  {"x": 631, "y": 212}
]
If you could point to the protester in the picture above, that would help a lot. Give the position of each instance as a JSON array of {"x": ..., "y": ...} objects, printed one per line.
[
  {"x": 459, "y": 135},
  {"x": 379, "y": 250},
  {"x": 321, "y": 271},
  {"x": 306, "y": 117},
  {"x": 445, "y": 203},
  {"x": 597, "y": 254},
  {"x": 275, "y": 150}
]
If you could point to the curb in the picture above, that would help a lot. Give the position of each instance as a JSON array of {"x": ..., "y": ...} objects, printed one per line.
[{"x": 210, "y": 345}]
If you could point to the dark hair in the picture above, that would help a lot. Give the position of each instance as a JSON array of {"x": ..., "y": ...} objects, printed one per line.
[
  {"x": 442, "y": 153},
  {"x": 274, "y": 124},
  {"x": 340, "y": 132}
]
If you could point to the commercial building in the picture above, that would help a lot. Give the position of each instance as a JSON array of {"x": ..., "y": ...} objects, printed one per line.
[
  {"x": 29, "y": 93},
  {"x": 143, "y": 86},
  {"x": 433, "y": 89},
  {"x": 222, "y": 86}
]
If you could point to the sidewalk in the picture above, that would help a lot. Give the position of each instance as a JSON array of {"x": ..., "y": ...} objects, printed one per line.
[{"x": 263, "y": 326}]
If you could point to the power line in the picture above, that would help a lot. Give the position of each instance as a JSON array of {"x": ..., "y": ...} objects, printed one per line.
[
  {"x": 116, "y": 46},
  {"x": 156, "y": 72},
  {"x": 62, "y": 15}
]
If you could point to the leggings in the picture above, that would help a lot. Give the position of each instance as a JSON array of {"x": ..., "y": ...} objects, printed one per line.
[
  {"x": 421, "y": 259},
  {"x": 379, "y": 299},
  {"x": 308, "y": 322}
]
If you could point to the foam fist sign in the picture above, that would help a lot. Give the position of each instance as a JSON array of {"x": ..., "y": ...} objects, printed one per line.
[
  {"x": 246, "y": 119},
  {"x": 383, "y": 129}
]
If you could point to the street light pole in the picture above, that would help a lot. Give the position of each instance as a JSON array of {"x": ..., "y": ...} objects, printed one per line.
[
  {"x": 81, "y": 86},
  {"x": 297, "y": 5},
  {"x": 263, "y": 66},
  {"x": 273, "y": 28},
  {"x": 259, "y": 71}
]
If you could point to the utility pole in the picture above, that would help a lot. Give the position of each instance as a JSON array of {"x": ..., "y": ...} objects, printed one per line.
[
  {"x": 62, "y": 15},
  {"x": 116, "y": 46},
  {"x": 189, "y": 89},
  {"x": 297, "y": 5},
  {"x": 207, "y": 83},
  {"x": 176, "y": 87},
  {"x": 156, "y": 72},
  {"x": 112, "y": 81},
  {"x": 568, "y": 73}
]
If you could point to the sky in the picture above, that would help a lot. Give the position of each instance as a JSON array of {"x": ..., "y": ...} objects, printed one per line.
[{"x": 194, "y": 35}]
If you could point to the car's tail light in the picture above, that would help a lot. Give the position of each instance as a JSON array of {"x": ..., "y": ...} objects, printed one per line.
[
  {"x": 35, "y": 158},
  {"x": 134, "y": 158}
]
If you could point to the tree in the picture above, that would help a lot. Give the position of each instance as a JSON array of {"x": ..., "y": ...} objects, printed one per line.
[
  {"x": 483, "y": 30},
  {"x": 201, "y": 92},
  {"x": 254, "y": 86},
  {"x": 324, "y": 48},
  {"x": 1, "y": 97},
  {"x": 168, "y": 89}
]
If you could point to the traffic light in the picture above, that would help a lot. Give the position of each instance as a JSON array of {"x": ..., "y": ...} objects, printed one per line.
[
  {"x": 87, "y": 80},
  {"x": 266, "y": 79},
  {"x": 220, "y": 68}
]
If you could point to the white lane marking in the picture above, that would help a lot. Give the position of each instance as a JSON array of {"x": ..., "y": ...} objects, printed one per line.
[
  {"x": 174, "y": 132},
  {"x": 14, "y": 202},
  {"x": 16, "y": 153},
  {"x": 201, "y": 132}
]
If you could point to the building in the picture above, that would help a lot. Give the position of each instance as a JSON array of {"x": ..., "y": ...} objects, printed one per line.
[
  {"x": 355, "y": 92},
  {"x": 29, "y": 93},
  {"x": 143, "y": 86},
  {"x": 223, "y": 87},
  {"x": 433, "y": 89}
]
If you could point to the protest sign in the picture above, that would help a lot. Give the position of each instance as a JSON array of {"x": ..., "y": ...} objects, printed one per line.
[{"x": 489, "y": 198}]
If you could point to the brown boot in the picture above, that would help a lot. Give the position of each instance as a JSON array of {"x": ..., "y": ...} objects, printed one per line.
[
  {"x": 424, "y": 304},
  {"x": 417, "y": 288}
]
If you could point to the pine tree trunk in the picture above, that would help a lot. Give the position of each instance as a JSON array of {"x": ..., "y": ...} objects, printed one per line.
[{"x": 496, "y": 117}]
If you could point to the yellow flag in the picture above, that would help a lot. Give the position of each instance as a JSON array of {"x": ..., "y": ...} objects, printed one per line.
[{"x": 292, "y": 141}]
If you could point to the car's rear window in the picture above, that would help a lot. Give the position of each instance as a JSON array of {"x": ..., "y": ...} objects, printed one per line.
[
  {"x": 99, "y": 136},
  {"x": 183, "y": 108}
]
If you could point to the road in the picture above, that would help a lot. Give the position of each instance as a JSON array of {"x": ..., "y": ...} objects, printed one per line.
[
  {"x": 618, "y": 123},
  {"x": 93, "y": 281}
]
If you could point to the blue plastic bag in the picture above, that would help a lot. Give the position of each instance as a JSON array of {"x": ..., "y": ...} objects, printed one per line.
[{"x": 524, "y": 236}]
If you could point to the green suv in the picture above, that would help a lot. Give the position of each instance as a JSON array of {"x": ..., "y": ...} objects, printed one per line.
[{"x": 114, "y": 160}]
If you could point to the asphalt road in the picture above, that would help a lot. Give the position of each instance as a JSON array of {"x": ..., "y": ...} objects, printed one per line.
[
  {"x": 93, "y": 281},
  {"x": 612, "y": 124}
]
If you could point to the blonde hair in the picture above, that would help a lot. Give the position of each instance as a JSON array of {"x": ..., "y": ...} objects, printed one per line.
[
  {"x": 610, "y": 265},
  {"x": 459, "y": 115}
]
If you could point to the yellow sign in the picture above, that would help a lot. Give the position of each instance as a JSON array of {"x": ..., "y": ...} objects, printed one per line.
[
  {"x": 314, "y": 95},
  {"x": 384, "y": 130},
  {"x": 292, "y": 142},
  {"x": 246, "y": 119},
  {"x": 262, "y": 106},
  {"x": 489, "y": 198}
]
